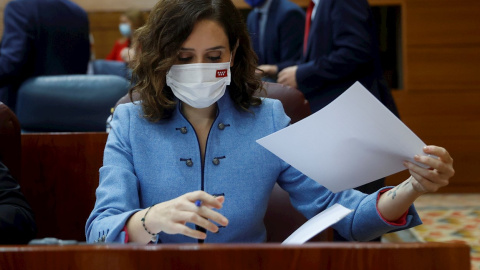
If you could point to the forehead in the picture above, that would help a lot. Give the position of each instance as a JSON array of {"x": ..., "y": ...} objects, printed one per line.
[{"x": 206, "y": 34}]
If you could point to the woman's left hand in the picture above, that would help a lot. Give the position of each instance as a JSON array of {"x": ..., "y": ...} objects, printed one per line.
[{"x": 438, "y": 172}]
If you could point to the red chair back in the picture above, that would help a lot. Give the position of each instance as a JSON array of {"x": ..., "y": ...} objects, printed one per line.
[{"x": 293, "y": 100}]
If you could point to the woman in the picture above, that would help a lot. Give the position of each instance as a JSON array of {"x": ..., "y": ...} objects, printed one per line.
[
  {"x": 130, "y": 20},
  {"x": 185, "y": 158}
]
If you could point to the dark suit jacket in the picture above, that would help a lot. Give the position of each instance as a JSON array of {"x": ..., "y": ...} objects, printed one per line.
[
  {"x": 342, "y": 48},
  {"x": 17, "y": 224},
  {"x": 283, "y": 36},
  {"x": 41, "y": 37}
]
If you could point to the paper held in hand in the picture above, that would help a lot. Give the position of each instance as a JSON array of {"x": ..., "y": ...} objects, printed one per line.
[{"x": 352, "y": 141}]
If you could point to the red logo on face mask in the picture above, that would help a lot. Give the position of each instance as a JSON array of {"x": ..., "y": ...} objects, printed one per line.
[{"x": 221, "y": 73}]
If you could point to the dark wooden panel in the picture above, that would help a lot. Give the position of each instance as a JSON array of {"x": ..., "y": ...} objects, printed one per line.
[
  {"x": 59, "y": 178},
  {"x": 1, "y": 19},
  {"x": 104, "y": 20},
  {"x": 443, "y": 68},
  {"x": 114, "y": 5},
  {"x": 442, "y": 41},
  {"x": 104, "y": 28},
  {"x": 443, "y": 22},
  {"x": 448, "y": 114},
  {"x": 339, "y": 256}
]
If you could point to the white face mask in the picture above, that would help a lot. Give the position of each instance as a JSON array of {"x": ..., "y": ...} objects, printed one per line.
[{"x": 199, "y": 85}]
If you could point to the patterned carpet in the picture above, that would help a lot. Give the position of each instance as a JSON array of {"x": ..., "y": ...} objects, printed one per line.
[{"x": 446, "y": 218}]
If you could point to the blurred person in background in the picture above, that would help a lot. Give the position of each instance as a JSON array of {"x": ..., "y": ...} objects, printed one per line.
[
  {"x": 130, "y": 21},
  {"x": 340, "y": 47},
  {"x": 41, "y": 37},
  {"x": 276, "y": 28}
]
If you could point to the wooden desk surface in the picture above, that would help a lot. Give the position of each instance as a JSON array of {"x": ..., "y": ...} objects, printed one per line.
[{"x": 337, "y": 256}]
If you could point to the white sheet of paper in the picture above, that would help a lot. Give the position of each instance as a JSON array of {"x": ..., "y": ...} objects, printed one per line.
[
  {"x": 317, "y": 224},
  {"x": 350, "y": 142}
]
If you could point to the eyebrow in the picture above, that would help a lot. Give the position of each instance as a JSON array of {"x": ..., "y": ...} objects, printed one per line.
[{"x": 209, "y": 49}]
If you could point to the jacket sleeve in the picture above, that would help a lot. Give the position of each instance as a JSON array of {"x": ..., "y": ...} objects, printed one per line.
[
  {"x": 16, "y": 41},
  {"x": 250, "y": 25},
  {"x": 118, "y": 190},
  {"x": 291, "y": 30},
  {"x": 352, "y": 46},
  {"x": 17, "y": 223},
  {"x": 363, "y": 224}
]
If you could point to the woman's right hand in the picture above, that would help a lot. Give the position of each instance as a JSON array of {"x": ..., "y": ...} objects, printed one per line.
[{"x": 171, "y": 216}]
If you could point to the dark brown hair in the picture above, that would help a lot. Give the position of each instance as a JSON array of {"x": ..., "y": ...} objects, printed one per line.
[{"x": 169, "y": 24}]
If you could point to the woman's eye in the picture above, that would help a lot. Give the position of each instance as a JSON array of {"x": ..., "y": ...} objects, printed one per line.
[
  {"x": 214, "y": 58},
  {"x": 184, "y": 59}
]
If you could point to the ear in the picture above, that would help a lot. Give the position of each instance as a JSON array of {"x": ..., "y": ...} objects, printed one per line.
[{"x": 233, "y": 53}]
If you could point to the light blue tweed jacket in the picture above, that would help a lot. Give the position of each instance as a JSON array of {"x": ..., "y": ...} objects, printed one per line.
[{"x": 146, "y": 163}]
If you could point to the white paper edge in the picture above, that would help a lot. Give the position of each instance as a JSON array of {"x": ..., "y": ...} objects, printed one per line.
[{"x": 317, "y": 224}]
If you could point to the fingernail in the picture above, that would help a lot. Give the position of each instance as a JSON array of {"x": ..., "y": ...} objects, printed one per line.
[{"x": 425, "y": 148}]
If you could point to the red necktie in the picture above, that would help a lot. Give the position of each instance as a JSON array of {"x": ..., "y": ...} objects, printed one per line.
[{"x": 307, "y": 26}]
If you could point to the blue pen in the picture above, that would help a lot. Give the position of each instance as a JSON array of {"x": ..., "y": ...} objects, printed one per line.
[{"x": 198, "y": 203}]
